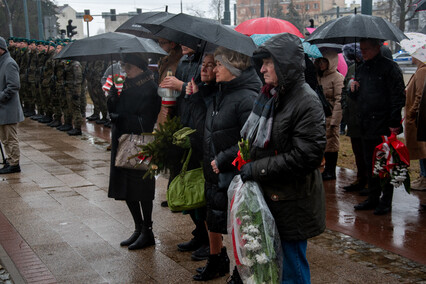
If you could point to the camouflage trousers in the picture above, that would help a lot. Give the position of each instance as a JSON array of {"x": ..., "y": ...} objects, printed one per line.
[
  {"x": 58, "y": 95},
  {"x": 46, "y": 99},
  {"x": 73, "y": 94},
  {"x": 100, "y": 101},
  {"x": 35, "y": 97},
  {"x": 83, "y": 99},
  {"x": 93, "y": 98}
]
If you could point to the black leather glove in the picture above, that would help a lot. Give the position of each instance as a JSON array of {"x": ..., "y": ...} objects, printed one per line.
[
  {"x": 245, "y": 172},
  {"x": 114, "y": 117}
]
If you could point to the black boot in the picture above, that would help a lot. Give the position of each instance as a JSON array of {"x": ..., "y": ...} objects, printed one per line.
[
  {"x": 235, "y": 277},
  {"x": 133, "y": 237},
  {"x": 224, "y": 260},
  {"x": 65, "y": 127},
  {"x": 217, "y": 266},
  {"x": 330, "y": 166},
  {"x": 145, "y": 239},
  {"x": 74, "y": 132}
]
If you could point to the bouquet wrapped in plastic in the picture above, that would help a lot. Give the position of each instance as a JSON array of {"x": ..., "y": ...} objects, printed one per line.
[
  {"x": 255, "y": 238},
  {"x": 391, "y": 161}
]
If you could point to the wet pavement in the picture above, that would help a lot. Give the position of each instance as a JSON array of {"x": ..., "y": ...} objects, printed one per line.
[{"x": 59, "y": 209}]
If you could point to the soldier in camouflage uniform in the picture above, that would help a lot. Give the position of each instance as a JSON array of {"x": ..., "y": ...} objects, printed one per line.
[
  {"x": 73, "y": 79},
  {"x": 32, "y": 59},
  {"x": 57, "y": 90},
  {"x": 23, "y": 58},
  {"x": 42, "y": 57},
  {"x": 98, "y": 72},
  {"x": 83, "y": 100},
  {"x": 46, "y": 74}
]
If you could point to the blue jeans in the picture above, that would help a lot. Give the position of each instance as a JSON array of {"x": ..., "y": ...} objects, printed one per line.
[
  {"x": 295, "y": 264},
  {"x": 422, "y": 163}
]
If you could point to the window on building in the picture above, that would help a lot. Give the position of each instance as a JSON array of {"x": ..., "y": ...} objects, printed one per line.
[
  {"x": 297, "y": 6},
  {"x": 315, "y": 5},
  {"x": 307, "y": 7},
  {"x": 253, "y": 11}
]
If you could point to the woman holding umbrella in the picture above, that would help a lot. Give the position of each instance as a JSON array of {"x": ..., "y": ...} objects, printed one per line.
[
  {"x": 135, "y": 110},
  {"x": 238, "y": 85}
]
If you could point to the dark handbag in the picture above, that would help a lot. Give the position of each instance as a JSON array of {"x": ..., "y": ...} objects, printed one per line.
[
  {"x": 186, "y": 191},
  {"x": 327, "y": 107},
  {"x": 128, "y": 149}
]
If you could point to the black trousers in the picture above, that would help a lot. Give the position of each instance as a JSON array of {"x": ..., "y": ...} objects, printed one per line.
[{"x": 362, "y": 170}]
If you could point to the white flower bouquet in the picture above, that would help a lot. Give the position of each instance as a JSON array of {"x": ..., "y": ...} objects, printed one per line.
[
  {"x": 255, "y": 238},
  {"x": 391, "y": 161}
]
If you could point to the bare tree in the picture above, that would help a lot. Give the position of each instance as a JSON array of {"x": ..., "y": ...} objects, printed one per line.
[
  {"x": 194, "y": 11},
  {"x": 406, "y": 12},
  {"x": 218, "y": 7}
]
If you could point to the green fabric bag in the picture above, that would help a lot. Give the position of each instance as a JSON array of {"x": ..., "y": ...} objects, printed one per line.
[{"x": 186, "y": 191}]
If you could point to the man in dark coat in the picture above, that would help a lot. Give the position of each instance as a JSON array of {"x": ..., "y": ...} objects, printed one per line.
[
  {"x": 10, "y": 109},
  {"x": 378, "y": 89},
  {"x": 287, "y": 150}
]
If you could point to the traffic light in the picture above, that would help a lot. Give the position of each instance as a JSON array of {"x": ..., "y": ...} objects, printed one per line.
[
  {"x": 71, "y": 29},
  {"x": 113, "y": 15}
]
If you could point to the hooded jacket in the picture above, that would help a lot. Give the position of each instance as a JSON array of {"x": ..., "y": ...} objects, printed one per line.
[
  {"x": 10, "y": 106},
  {"x": 332, "y": 84},
  {"x": 287, "y": 168}
]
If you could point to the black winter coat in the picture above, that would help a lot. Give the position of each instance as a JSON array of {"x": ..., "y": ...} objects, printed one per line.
[
  {"x": 380, "y": 97},
  {"x": 137, "y": 108},
  {"x": 287, "y": 168},
  {"x": 225, "y": 117}
]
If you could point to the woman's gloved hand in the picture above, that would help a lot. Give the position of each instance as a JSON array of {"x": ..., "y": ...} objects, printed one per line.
[{"x": 246, "y": 172}]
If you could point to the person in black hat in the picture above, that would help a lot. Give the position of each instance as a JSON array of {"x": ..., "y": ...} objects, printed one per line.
[{"x": 134, "y": 110}]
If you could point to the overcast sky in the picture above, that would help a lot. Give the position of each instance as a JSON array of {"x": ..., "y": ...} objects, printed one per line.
[{"x": 123, "y": 6}]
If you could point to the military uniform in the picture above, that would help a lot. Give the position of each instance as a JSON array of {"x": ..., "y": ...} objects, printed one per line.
[
  {"x": 46, "y": 86},
  {"x": 33, "y": 91},
  {"x": 98, "y": 71},
  {"x": 23, "y": 75},
  {"x": 73, "y": 79},
  {"x": 83, "y": 100}
]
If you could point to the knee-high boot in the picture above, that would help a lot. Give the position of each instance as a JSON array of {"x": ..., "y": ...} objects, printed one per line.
[{"x": 330, "y": 166}]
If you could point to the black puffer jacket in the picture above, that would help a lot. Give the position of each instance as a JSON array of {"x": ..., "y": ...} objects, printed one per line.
[
  {"x": 287, "y": 169},
  {"x": 225, "y": 117},
  {"x": 380, "y": 97}
]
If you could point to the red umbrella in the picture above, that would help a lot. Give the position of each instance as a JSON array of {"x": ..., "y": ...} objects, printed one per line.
[{"x": 267, "y": 25}]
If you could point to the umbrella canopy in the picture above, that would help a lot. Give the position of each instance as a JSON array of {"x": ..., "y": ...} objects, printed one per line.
[
  {"x": 267, "y": 25},
  {"x": 421, "y": 5},
  {"x": 353, "y": 27},
  {"x": 131, "y": 26},
  {"x": 194, "y": 32},
  {"x": 110, "y": 45},
  {"x": 309, "y": 49},
  {"x": 415, "y": 45}
]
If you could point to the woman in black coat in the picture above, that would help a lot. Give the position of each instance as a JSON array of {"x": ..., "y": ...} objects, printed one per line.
[
  {"x": 238, "y": 85},
  {"x": 135, "y": 111}
]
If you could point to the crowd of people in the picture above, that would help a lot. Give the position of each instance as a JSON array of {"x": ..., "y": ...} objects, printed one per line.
[{"x": 226, "y": 96}]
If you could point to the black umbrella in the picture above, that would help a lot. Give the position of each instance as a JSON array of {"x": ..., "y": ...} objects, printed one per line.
[
  {"x": 194, "y": 32},
  {"x": 353, "y": 27},
  {"x": 421, "y": 5},
  {"x": 110, "y": 45},
  {"x": 131, "y": 26}
]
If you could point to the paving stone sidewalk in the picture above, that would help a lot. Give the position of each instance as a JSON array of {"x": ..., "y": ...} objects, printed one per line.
[{"x": 59, "y": 206}]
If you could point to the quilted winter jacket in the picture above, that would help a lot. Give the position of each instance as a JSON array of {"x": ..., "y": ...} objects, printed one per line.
[{"x": 287, "y": 169}]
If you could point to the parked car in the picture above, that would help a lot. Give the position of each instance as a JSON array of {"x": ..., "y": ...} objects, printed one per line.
[{"x": 402, "y": 58}]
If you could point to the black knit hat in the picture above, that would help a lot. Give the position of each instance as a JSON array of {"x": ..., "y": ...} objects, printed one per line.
[{"x": 135, "y": 59}]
